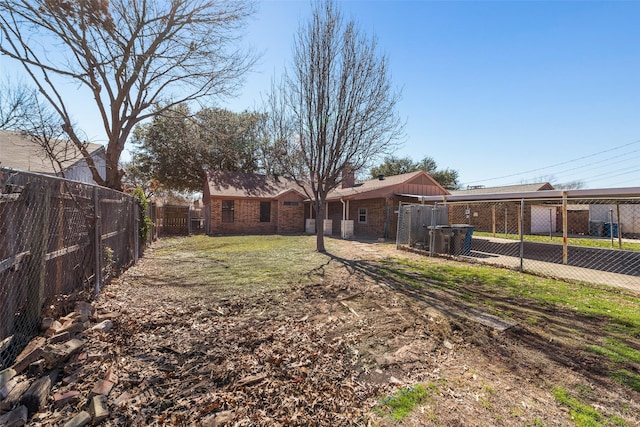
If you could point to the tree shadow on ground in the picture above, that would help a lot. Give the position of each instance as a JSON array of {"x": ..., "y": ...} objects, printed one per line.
[{"x": 559, "y": 334}]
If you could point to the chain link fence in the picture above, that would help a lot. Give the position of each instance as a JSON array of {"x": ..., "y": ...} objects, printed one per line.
[
  {"x": 595, "y": 240},
  {"x": 57, "y": 237}
]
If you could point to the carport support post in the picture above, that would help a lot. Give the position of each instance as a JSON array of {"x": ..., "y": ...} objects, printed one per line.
[
  {"x": 493, "y": 220},
  {"x": 521, "y": 231},
  {"x": 611, "y": 225},
  {"x": 619, "y": 225},
  {"x": 564, "y": 228}
]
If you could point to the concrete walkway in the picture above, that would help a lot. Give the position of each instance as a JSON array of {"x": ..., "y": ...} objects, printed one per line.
[{"x": 559, "y": 271}]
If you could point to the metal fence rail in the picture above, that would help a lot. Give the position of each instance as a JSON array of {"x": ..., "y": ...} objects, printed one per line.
[
  {"x": 595, "y": 240},
  {"x": 56, "y": 237}
]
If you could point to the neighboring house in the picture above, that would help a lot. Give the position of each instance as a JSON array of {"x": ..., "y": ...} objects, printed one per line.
[
  {"x": 496, "y": 217},
  {"x": 372, "y": 206},
  {"x": 18, "y": 151},
  {"x": 519, "y": 188},
  {"x": 240, "y": 202},
  {"x": 250, "y": 203}
]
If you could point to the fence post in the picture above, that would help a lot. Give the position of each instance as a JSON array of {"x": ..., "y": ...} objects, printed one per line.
[
  {"x": 398, "y": 224},
  {"x": 97, "y": 240},
  {"x": 521, "y": 230},
  {"x": 189, "y": 231},
  {"x": 38, "y": 263},
  {"x": 432, "y": 242},
  {"x": 60, "y": 237},
  {"x": 136, "y": 230},
  {"x": 564, "y": 228}
]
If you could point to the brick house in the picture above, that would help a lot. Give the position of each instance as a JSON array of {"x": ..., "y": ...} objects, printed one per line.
[
  {"x": 371, "y": 207},
  {"x": 494, "y": 215},
  {"x": 260, "y": 204},
  {"x": 238, "y": 202}
]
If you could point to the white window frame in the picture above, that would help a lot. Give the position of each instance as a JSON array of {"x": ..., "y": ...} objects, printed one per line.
[{"x": 361, "y": 212}]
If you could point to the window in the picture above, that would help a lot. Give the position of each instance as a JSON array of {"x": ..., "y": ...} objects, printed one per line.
[
  {"x": 227, "y": 210},
  {"x": 265, "y": 211},
  {"x": 362, "y": 215},
  {"x": 288, "y": 203}
]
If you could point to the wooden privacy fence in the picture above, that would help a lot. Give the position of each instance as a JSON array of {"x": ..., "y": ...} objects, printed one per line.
[
  {"x": 56, "y": 237},
  {"x": 178, "y": 220}
]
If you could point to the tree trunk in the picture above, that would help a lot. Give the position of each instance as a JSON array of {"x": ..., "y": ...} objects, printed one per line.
[{"x": 320, "y": 208}]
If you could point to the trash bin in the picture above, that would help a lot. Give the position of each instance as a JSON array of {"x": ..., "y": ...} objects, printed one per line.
[
  {"x": 441, "y": 236},
  {"x": 609, "y": 227},
  {"x": 596, "y": 228},
  {"x": 467, "y": 240},
  {"x": 462, "y": 234}
]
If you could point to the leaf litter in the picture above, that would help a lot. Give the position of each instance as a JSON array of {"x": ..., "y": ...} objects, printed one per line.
[{"x": 326, "y": 353}]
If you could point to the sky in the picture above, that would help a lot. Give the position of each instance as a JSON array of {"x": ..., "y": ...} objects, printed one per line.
[{"x": 504, "y": 92}]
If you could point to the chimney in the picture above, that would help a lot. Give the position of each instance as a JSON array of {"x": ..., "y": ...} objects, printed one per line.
[
  {"x": 348, "y": 176},
  {"x": 381, "y": 177}
]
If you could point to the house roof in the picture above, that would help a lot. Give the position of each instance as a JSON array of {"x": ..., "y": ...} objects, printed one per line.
[
  {"x": 249, "y": 185},
  {"x": 379, "y": 185},
  {"x": 17, "y": 151},
  {"x": 519, "y": 188}
]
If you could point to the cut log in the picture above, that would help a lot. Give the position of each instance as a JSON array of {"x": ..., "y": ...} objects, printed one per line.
[
  {"x": 36, "y": 396},
  {"x": 59, "y": 353},
  {"x": 6, "y": 376},
  {"x": 7, "y": 387},
  {"x": 15, "y": 418},
  {"x": 14, "y": 396},
  {"x": 30, "y": 354}
]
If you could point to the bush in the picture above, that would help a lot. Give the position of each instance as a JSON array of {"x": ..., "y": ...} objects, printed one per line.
[{"x": 144, "y": 224}]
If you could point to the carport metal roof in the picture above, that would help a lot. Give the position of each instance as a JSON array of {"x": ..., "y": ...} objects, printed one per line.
[{"x": 600, "y": 194}]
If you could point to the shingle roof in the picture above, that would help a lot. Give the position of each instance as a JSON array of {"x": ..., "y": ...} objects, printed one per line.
[
  {"x": 372, "y": 184},
  {"x": 519, "y": 188},
  {"x": 241, "y": 185},
  {"x": 245, "y": 185},
  {"x": 18, "y": 152}
]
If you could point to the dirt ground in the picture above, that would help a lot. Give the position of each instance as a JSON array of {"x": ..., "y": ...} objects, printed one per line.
[{"x": 327, "y": 354}]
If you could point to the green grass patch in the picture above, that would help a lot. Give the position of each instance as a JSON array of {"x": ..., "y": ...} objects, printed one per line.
[
  {"x": 584, "y": 415},
  {"x": 400, "y": 405},
  {"x": 602, "y": 243},
  {"x": 232, "y": 262},
  {"x": 628, "y": 378},
  {"x": 619, "y": 309},
  {"x": 616, "y": 351}
]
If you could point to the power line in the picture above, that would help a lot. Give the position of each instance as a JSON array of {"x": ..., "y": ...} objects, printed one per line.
[{"x": 559, "y": 164}]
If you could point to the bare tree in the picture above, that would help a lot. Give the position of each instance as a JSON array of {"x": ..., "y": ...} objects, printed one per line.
[
  {"x": 22, "y": 111},
  {"x": 339, "y": 95},
  {"x": 16, "y": 100},
  {"x": 43, "y": 126},
  {"x": 131, "y": 54}
]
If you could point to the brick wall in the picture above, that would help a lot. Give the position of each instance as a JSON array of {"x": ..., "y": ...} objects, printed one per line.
[
  {"x": 290, "y": 218},
  {"x": 374, "y": 227},
  {"x": 246, "y": 218},
  {"x": 481, "y": 216}
]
